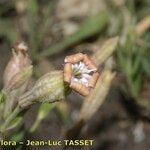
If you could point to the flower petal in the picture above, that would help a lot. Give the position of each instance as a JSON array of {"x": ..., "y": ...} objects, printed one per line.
[{"x": 86, "y": 76}]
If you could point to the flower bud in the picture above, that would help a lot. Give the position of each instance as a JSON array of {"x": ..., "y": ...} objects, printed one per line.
[
  {"x": 19, "y": 79},
  {"x": 16, "y": 76},
  {"x": 18, "y": 61},
  {"x": 49, "y": 88},
  {"x": 18, "y": 85}
]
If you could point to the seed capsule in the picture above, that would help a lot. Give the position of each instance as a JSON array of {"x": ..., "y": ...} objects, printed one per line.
[
  {"x": 93, "y": 80},
  {"x": 81, "y": 89},
  {"x": 74, "y": 58},
  {"x": 67, "y": 72}
]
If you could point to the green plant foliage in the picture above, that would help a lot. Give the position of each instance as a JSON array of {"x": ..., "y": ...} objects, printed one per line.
[
  {"x": 92, "y": 26},
  {"x": 8, "y": 30},
  {"x": 43, "y": 112},
  {"x": 14, "y": 123}
]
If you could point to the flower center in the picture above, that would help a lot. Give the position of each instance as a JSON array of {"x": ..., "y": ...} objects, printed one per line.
[
  {"x": 81, "y": 73},
  {"x": 77, "y": 73}
]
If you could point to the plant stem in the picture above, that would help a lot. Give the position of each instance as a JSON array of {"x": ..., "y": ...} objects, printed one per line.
[
  {"x": 2, "y": 97},
  {"x": 10, "y": 118},
  {"x": 35, "y": 125}
]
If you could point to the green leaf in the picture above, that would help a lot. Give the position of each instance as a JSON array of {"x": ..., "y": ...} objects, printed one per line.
[
  {"x": 8, "y": 30},
  {"x": 135, "y": 86},
  {"x": 42, "y": 113},
  {"x": 121, "y": 60},
  {"x": 14, "y": 123},
  {"x": 136, "y": 63},
  {"x": 18, "y": 136},
  {"x": 2, "y": 97},
  {"x": 44, "y": 110},
  {"x": 33, "y": 17},
  {"x": 128, "y": 67},
  {"x": 146, "y": 66},
  {"x": 33, "y": 7}
]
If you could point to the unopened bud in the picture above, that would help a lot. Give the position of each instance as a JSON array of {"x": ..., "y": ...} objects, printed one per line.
[
  {"x": 18, "y": 61},
  {"x": 16, "y": 76},
  {"x": 49, "y": 88},
  {"x": 19, "y": 78}
]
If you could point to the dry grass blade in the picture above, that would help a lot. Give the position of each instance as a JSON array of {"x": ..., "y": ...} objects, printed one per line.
[
  {"x": 143, "y": 26},
  {"x": 97, "y": 96},
  {"x": 105, "y": 51}
]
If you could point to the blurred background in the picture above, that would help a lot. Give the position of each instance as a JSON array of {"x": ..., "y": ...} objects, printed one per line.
[{"x": 53, "y": 29}]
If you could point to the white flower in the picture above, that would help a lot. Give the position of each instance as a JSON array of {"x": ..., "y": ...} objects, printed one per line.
[{"x": 81, "y": 73}]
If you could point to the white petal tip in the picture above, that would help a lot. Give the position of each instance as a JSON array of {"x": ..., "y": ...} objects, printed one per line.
[
  {"x": 65, "y": 60},
  {"x": 23, "y": 46},
  {"x": 93, "y": 70}
]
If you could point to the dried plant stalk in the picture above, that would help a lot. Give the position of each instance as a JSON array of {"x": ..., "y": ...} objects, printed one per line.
[
  {"x": 97, "y": 96},
  {"x": 142, "y": 26},
  {"x": 105, "y": 51}
]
